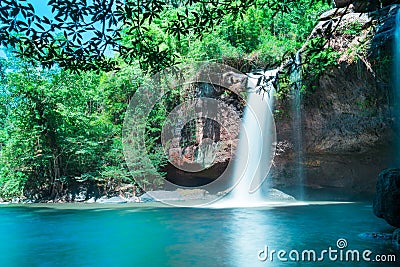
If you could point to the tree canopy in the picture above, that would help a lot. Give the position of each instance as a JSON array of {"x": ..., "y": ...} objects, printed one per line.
[{"x": 80, "y": 35}]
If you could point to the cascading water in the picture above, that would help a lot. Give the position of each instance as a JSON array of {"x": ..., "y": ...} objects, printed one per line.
[
  {"x": 396, "y": 79},
  {"x": 256, "y": 143},
  {"x": 296, "y": 76},
  {"x": 257, "y": 139}
]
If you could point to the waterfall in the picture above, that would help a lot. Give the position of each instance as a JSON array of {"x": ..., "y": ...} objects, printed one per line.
[
  {"x": 296, "y": 76},
  {"x": 257, "y": 141},
  {"x": 396, "y": 79}
]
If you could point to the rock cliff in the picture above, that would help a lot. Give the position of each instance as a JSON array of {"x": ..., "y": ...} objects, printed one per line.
[{"x": 347, "y": 122}]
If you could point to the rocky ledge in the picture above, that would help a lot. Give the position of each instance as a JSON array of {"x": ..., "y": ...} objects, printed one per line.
[{"x": 386, "y": 201}]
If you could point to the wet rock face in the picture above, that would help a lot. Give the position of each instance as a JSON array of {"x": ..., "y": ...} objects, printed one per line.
[
  {"x": 339, "y": 177},
  {"x": 386, "y": 201},
  {"x": 383, "y": 40},
  {"x": 205, "y": 144},
  {"x": 370, "y": 5},
  {"x": 349, "y": 113},
  {"x": 342, "y": 3}
]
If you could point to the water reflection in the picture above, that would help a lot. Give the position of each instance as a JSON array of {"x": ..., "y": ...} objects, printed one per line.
[{"x": 247, "y": 232}]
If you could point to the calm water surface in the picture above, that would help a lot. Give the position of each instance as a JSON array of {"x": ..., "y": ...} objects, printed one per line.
[{"x": 45, "y": 236}]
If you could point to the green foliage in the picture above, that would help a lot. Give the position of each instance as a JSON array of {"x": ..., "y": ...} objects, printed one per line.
[
  {"x": 259, "y": 32},
  {"x": 353, "y": 28},
  {"x": 117, "y": 89},
  {"x": 62, "y": 128},
  {"x": 52, "y": 132},
  {"x": 320, "y": 58}
]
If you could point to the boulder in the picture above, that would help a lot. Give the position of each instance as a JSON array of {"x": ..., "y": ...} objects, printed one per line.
[
  {"x": 193, "y": 194},
  {"x": 396, "y": 238},
  {"x": 112, "y": 200},
  {"x": 91, "y": 200},
  {"x": 277, "y": 195},
  {"x": 80, "y": 197},
  {"x": 386, "y": 201},
  {"x": 177, "y": 195},
  {"x": 147, "y": 198},
  {"x": 161, "y": 195}
]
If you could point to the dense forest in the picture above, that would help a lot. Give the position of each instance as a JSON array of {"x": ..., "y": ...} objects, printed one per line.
[{"x": 61, "y": 116}]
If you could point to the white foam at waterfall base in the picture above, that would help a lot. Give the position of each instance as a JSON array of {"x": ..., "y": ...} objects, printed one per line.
[{"x": 256, "y": 147}]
